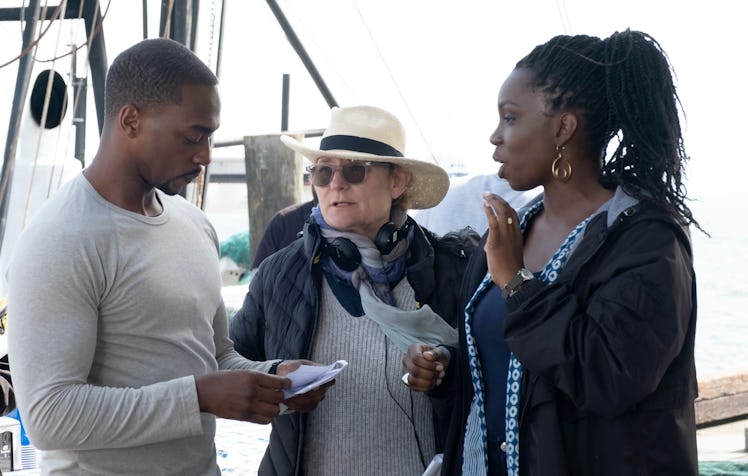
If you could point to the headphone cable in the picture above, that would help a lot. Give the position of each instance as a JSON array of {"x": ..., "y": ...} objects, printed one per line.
[{"x": 410, "y": 417}]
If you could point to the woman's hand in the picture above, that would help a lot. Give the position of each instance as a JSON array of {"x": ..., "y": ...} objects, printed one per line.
[
  {"x": 504, "y": 244},
  {"x": 424, "y": 366}
]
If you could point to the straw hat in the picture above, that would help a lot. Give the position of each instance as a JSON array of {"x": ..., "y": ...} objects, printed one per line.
[{"x": 368, "y": 133}]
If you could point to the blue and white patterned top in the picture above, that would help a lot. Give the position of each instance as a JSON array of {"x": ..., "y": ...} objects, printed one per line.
[{"x": 475, "y": 455}]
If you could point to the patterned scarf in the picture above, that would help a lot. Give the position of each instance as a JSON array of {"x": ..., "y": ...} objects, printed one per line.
[
  {"x": 379, "y": 270},
  {"x": 372, "y": 279}
]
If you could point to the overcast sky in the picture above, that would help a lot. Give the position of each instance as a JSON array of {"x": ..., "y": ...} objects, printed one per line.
[{"x": 438, "y": 65}]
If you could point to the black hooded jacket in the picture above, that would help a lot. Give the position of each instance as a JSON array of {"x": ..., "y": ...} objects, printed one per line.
[{"x": 608, "y": 352}]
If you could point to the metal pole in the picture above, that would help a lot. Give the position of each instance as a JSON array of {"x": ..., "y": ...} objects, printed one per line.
[
  {"x": 145, "y": 19},
  {"x": 79, "y": 111},
  {"x": 192, "y": 23},
  {"x": 219, "y": 54},
  {"x": 25, "y": 65},
  {"x": 299, "y": 48},
  {"x": 284, "y": 103},
  {"x": 182, "y": 24},
  {"x": 97, "y": 60}
]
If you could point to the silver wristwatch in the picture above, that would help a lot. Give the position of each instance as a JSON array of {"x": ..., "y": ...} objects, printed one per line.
[{"x": 523, "y": 275}]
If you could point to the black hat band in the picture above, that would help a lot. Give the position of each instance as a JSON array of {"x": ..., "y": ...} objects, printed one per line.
[{"x": 358, "y": 144}]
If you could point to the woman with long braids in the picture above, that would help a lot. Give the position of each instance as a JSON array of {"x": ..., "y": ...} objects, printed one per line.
[{"x": 577, "y": 350}]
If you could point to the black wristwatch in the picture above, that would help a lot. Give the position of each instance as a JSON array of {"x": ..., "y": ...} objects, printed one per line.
[
  {"x": 274, "y": 368},
  {"x": 523, "y": 275}
]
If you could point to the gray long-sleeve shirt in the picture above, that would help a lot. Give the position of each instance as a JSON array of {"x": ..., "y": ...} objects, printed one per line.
[{"x": 112, "y": 315}]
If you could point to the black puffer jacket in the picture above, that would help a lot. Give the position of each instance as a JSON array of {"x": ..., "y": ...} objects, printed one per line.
[
  {"x": 279, "y": 315},
  {"x": 608, "y": 351}
]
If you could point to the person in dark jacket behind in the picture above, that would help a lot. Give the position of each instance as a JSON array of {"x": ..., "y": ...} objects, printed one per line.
[
  {"x": 577, "y": 350},
  {"x": 283, "y": 229},
  {"x": 362, "y": 283}
]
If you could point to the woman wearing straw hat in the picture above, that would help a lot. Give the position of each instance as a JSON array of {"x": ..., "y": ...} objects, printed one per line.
[{"x": 362, "y": 283}]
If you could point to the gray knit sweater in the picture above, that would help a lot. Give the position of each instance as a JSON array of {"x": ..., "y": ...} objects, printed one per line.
[
  {"x": 112, "y": 315},
  {"x": 368, "y": 421}
]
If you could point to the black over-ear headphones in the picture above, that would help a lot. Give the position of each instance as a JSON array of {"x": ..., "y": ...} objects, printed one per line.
[{"x": 345, "y": 253}]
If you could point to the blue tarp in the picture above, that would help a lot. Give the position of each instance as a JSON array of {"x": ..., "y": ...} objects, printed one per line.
[{"x": 722, "y": 468}]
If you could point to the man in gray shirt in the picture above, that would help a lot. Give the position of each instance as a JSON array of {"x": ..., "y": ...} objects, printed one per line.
[{"x": 119, "y": 348}]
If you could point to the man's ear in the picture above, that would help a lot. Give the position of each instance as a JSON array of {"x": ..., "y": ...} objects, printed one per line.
[
  {"x": 129, "y": 120},
  {"x": 567, "y": 126}
]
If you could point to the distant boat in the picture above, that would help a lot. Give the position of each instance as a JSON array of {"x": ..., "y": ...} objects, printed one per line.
[{"x": 457, "y": 170}]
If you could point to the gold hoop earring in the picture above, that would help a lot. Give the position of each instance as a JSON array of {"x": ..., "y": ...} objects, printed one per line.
[{"x": 561, "y": 169}]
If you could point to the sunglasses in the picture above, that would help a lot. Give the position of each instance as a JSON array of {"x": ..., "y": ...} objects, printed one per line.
[{"x": 353, "y": 172}]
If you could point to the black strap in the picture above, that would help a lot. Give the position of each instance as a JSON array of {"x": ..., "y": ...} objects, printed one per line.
[
  {"x": 274, "y": 368},
  {"x": 358, "y": 144}
]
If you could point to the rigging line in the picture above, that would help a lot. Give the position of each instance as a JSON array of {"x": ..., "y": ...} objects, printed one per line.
[
  {"x": 77, "y": 91},
  {"x": 62, "y": 7},
  {"x": 33, "y": 44},
  {"x": 98, "y": 26},
  {"x": 48, "y": 91},
  {"x": 22, "y": 11},
  {"x": 322, "y": 51},
  {"x": 74, "y": 32},
  {"x": 397, "y": 87},
  {"x": 94, "y": 32},
  {"x": 50, "y": 79},
  {"x": 565, "y": 23},
  {"x": 42, "y": 126},
  {"x": 167, "y": 24}
]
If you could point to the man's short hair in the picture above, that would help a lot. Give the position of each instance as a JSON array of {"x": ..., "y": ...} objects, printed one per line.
[{"x": 152, "y": 73}]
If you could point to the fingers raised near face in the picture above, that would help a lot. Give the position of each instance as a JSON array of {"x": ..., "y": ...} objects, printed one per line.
[{"x": 498, "y": 211}]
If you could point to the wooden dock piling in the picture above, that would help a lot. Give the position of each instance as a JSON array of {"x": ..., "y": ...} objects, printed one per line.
[
  {"x": 275, "y": 180},
  {"x": 722, "y": 399}
]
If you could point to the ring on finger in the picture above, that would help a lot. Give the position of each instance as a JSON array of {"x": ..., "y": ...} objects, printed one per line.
[{"x": 404, "y": 379}]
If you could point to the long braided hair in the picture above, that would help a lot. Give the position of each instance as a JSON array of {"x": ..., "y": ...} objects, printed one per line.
[{"x": 624, "y": 88}]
